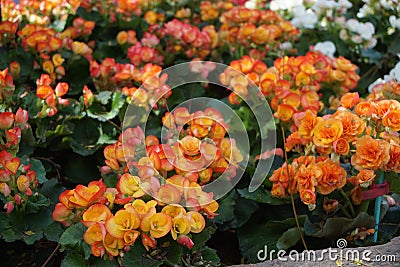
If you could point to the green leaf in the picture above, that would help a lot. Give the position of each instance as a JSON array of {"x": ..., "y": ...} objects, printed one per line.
[
  {"x": 209, "y": 254},
  {"x": 261, "y": 195},
  {"x": 253, "y": 238},
  {"x": 288, "y": 239},
  {"x": 100, "y": 113},
  {"x": 30, "y": 237},
  {"x": 243, "y": 211},
  {"x": 84, "y": 139},
  {"x": 337, "y": 227},
  {"x": 393, "y": 180},
  {"x": 73, "y": 260},
  {"x": 86, "y": 249},
  {"x": 36, "y": 202},
  {"x": 72, "y": 235},
  {"x": 52, "y": 189},
  {"x": 98, "y": 262},
  {"x": 103, "y": 97},
  {"x": 201, "y": 238},
  {"x": 53, "y": 231},
  {"x": 38, "y": 167},
  {"x": 134, "y": 257},
  {"x": 226, "y": 208},
  {"x": 174, "y": 253}
]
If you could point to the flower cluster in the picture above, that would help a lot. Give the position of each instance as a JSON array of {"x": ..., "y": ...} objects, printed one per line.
[
  {"x": 388, "y": 10},
  {"x": 114, "y": 232},
  {"x": 8, "y": 30},
  {"x": 7, "y": 86},
  {"x": 308, "y": 175},
  {"x": 242, "y": 27},
  {"x": 144, "y": 51},
  {"x": 110, "y": 76},
  {"x": 388, "y": 87},
  {"x": 210, "y": 11},
  {"x": 51, "y": 99},
  {"x": 359, "y": 33},
  {"x": 292, "y": 83},
  {"x": 365, "y": 134},
  {"x": 16, "y": 181},
  {"x": 39, "y": 38},
  {"x": 189, "y": 39},
  {"x": 40, "y": 13}
]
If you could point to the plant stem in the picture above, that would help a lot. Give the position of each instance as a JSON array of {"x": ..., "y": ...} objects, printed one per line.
[
  {"x": 291, "y": 193},
  {"x": 348, "y": 202},
  {"x": 364, "y": 205},
  {"x": 51, "y": 255}
]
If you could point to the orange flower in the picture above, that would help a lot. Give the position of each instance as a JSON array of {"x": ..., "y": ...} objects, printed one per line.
[
  {"x": 349, "y": 100},
  {"x": 364, "y": 109},
  {"x": 394, "y": 162},
  {"x": 124, "y": 220},
  {"x": 158, "y": 224},
  {"x": 168, "y": 194},
  {"x": 96, "y": 213},
  {"x": 83, "y": 196},
  {"x": 94, "y": 233},
  {"x": 62, "y": 214},
  {"x": 174, "y": 210},
  {"x": 352, "y": 124},
  {"x": 285, "y": 112},
  {"x": 341, "y": 146},
  {"x": 190, "y": 145},
  {"x": 112, "y": 245},
  {"x": 392, "y": 120},
  {"x": 307, "y": 176},
  {"x": 307, "y": 124},
  {"x": 180, "y": 226},
  {"x": 326, "y": 132},
  {"x": 122, "y": 37},
  {"x": 141, "y": 207},
  {"x": 196, "y": 221},
  {"x": 370, "y": 154},
  {"x": 308, "y": 196},
  {"x": 384, "y": 106},
  {"x": 334, "y": 177},
  {"x": 6, "y": 120},
  {"x": 129, "y": 185},
  {"x": 130, "y": 237},
  {"x": 365, "y": 176}
]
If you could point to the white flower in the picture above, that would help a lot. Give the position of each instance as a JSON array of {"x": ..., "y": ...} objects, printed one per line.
[
  {"x": 366, "y": 30},
  {"x": 304, "y": 18},
  {"x": 395, "y": 72},
  {"x": 352, "y": 25},
  {"x": 379, "y": 81},
  {"x": 286, "y": 46},
  {"x": 364, "y": 11},
  {"x": 284, "y": 4},
  {"x": 327, "y": 48},
  {"x": 252, "y": 4},
  {"x": 394, "y": 22},
  {"x": 345, "y": 4}
]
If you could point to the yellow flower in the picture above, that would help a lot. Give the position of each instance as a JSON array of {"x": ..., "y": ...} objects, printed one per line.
[
  {"x": 197, "y": 222},
  {"x": 129, "y": 185},
  {"x": 180, "y": 226},
  {"x": 158, "y": 224},
  {"x": 326, "y": 132},
  {"x": 122, "y": 221}
]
